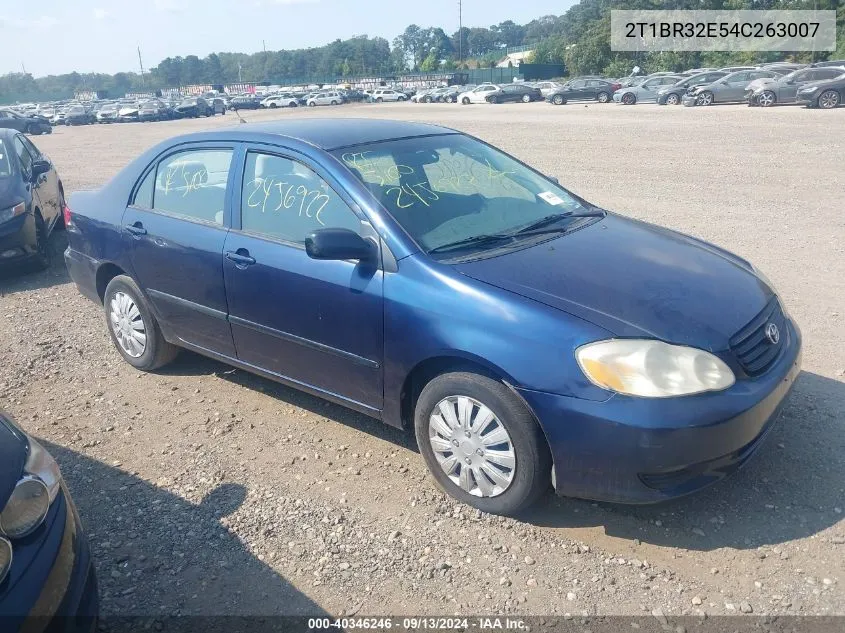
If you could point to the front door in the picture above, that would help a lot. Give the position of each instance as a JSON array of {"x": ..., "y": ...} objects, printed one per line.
[
  {"x": 316, "y": 323},
  {"x": 174, "y": 230}
]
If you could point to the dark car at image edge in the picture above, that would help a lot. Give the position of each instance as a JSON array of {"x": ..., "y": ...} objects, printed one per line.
[
  {"x": 28, "y": 124},
  {"x": 827, "y": 94},
  {"x": 650, "y": 364},
  {"x": 47, "y": 578}
]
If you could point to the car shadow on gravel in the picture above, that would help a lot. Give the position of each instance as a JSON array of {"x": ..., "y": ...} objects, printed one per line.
[
  {"x": 793, "y": 488},
  {"x": 158, "y": 554},
  {"x": 25, "y": 277},
  {"x": 190, "y": 364}
]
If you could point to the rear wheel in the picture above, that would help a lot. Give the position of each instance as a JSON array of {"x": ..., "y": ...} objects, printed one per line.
[
  {"x": 558, "y": 100},
  {"x": 379, "y": 100},
  {"x": 767, "y": 99},
  {"x": 603, "y": 97},
  {"x": 526, "y": 98},
  {"x": 493, "y": 99},
  {"x": 673, "y": 99},
  {"x": 481, "y": 443},
  {"x": 829, "y": 99},
  {"x": 133, "y": 328},
  {"x": 334, "y": 102},
  {"x": 273, "y": 106}
]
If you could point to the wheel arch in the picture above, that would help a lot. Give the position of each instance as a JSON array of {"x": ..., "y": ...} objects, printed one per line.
[{"x": 105, "y": 273}]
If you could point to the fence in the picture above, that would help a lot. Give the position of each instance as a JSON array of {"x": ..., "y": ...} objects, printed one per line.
[
  {"x": 539, "y": 72},
  {"x": 492, "y": 75}
]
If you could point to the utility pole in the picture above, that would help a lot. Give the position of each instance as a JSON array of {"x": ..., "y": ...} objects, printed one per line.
[
  {"x": 23, "y": 68},
  {"x": 264, "y": 45},
  {"x": 239, "y": 73},
  {"x": 141, "y": 63},
  {"x": 460, "y": 34}
]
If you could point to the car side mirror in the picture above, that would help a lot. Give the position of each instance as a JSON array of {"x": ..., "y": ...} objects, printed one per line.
[
  {"x": 554, "y": 179},
  {"x": 338, "y": 244},
  {"x": 40, "y": 167}
]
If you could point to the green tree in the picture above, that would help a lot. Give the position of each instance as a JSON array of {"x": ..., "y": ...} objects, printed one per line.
[{"x": 430, "y": 63}]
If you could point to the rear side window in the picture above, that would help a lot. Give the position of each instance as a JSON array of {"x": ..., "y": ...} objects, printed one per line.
[
  {"x": 192, "y": 184},
  {"x": 286, "y": 200}
]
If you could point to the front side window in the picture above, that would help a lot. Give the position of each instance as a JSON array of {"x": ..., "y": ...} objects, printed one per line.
[
  {"x": 5, "y": 162},
  {"x": 24, "y": 156},
  {"x": 447, "y": 188},
  {"x": 192, "y": 184},
  {"x": 286, "y": 200}
]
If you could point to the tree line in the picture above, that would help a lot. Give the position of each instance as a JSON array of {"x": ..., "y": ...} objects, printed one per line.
[{"x": 579, "y": 39}]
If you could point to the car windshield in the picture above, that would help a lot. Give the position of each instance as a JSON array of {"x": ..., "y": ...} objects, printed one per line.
[
  {"x": 76, "y": 110},
  {"x": 189, "y": 102},
  {"x": 5, "y": 165},
  {"x": 450, "y": 188}
]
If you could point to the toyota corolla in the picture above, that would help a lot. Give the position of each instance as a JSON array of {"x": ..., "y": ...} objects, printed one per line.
[{"x": 428, "y": 279}]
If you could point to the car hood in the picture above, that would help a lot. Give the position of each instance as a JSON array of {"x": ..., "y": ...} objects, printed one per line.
[
  {"x": 759, "y": 83},
  {"x": 13, "y": 451},
  {"x": 635, "y": 279}
]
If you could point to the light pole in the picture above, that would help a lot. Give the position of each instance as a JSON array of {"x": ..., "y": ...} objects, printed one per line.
[{"x": 460, "y": 33}]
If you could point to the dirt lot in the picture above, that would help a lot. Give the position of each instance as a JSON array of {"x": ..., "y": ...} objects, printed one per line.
[{"x": 208, "y": 491}]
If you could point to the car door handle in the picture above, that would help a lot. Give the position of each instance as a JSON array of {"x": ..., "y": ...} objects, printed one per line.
[
  {"x": 241, "y": 257},
  {"x": 136, "y": 229}
]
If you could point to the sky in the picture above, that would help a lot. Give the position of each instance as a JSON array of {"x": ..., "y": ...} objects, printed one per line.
[{"x": 60, "y": 36}]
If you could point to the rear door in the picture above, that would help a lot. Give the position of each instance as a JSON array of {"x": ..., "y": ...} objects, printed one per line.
[
  {"x": 174, "y": 230},
  {"x": 732, "y": 88},
  {"x": 316, "y": 323},
  {"x": 578, "y": 90}
]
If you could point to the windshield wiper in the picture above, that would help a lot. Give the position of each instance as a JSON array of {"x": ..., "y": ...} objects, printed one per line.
[
  {"x": 535, "y": 227},
  {"x": 471, "y": 241}
]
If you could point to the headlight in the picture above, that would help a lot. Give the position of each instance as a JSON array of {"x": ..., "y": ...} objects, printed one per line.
[
  {"x": 652, "y": 369},
  {"x": 5, "y": 558},
  {"x": 12, "y": 212},
  {"x": 27, "y": 508}
]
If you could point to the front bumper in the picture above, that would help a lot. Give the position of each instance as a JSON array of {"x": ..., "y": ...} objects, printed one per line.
[
  {"x": 17, "y": 239},
  {"x": 807, "y": 99},
  {"x": 689, "y": 100},
  {"x": 52, "y": 585},
  {"x": 643, "y": 450}
]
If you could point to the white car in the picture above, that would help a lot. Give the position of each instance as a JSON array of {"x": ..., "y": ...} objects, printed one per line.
[
  {"x": 547, "y": 87},
  {"x": 325, "y": 98},
  {"x": 385, "y": 94},
  {"x": 477, "y": 95},
  {"x": 279, "y": 101}
]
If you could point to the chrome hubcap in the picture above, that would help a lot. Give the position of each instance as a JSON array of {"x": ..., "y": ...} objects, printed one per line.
[
  {"x": 472, "y": 446},
  {"x": 128, "y": 325}
]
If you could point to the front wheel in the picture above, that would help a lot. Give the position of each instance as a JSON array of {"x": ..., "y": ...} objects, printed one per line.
[
  {"x": 312, "y": 104},
  {"x": 133, "y": 328},
  {"x": 465, "y": 101},
  {"x": 379, "y": 100},
  {"x": 603, "y": 97},
  {"x": 829, "y": 99},
  {"x": 704, "y": 99},
  {"x": 526, "y": 98},
  {"x": 558, "y": 100},
  {"x": 492, "y": 99},
  {"x": 767, "y": 99},
  {"x": 629, "y": 99},
  {"x": 673, "y": 99},
  {"x": 481, "y": 443}
]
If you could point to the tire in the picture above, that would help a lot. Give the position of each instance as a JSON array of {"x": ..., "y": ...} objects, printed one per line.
[
  {"x": 526, "y": 98},
  {"x": 273, "y": 106},
  {"x": 379, "y": 100},
  {"x": 426, "y": 99},
  {"x": 312, "y": 105},
  {"x": 519, "y": 485},
  {"x": 60, "y": 223},
  {"x": 293, "y": 104},
  {"x": 41, "y": 259},
  {"x": 400, "y": 98},
  {"x": 465, "y": 101},
  {"x": 672, "y": 99},
  {"x": 603, "y": 97},
  {"x": 767, "y": 99},
  {"x": 828, "y": 100},
  {"x": 334, "y": 103},
  {"x": 156, "y": 352},
  {"x": 704, "y": 99},
  {"x": 493, "y": 99},
  {"x": 629, "y": 98},
  {"x": 558, "y": 100}
]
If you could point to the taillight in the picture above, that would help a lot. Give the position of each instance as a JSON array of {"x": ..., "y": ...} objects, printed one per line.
[{"x": 67, "y": 216}]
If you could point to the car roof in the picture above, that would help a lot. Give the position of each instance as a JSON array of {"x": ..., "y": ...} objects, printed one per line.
[{"x": 329, "y": 134}]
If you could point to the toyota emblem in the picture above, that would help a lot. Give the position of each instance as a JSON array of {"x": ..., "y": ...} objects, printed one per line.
[{"x": 773, "y": 333}]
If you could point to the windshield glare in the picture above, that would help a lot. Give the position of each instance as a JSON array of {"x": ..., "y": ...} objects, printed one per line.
[{"x": 447, "y": 188}]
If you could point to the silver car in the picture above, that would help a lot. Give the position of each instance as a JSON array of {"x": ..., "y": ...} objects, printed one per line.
[
  {"x": 768, "y": 92},
  {"x": 647, "y": 91},
  {"x": 728, "y": 89}
]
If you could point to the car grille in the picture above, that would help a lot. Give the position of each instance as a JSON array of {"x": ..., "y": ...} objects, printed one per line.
[{"x": 754, "y": 350}]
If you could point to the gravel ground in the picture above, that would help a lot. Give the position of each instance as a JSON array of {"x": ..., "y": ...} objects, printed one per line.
[{"x": 206, "y": 490}]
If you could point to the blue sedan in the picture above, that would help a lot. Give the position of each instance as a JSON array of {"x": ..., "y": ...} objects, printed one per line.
[{"x": 424, "y": 277}]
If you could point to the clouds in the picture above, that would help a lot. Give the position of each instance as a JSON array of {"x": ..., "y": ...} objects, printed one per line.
[
  {"x": 41, "y": 23},
  {"x": 100, "y": 14},
  {"x": 283, "y": 3}
]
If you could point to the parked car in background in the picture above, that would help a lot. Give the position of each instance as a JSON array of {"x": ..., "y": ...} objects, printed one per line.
[
  {"x": 193, "y": 107},
  {"x": 218, "y": 106},
  {"x": 645, "y": 92},
  {"x": 584, "y": 89},
  {"x": 477, "y": 94},
  {"x": 31, "y": 201},
  {"x": 672, "y": 95},
  {"x": 420, "y": 95},
  {"x": 514, "y": 92},
  {"x": 826, "y": 94},
  {"x": 245, "y": 102},
  {"x": 485, "y": 265},
  {"x": 728, "y": 89},
  {"x": 780, "y": 90},
  {"x": 546, "y": 88},
  {"x": 430, "y": 96},
  {"x": 27, "y": 124},
  {"x": 154, "y": 110},
  {"x": 280, "y": 101},
  {"x": 129, "y": 112},
  {"x": 46, "y": 570},
  {"x": 108, "y": 113},
  {"x": 829, "y": 62},
  {"x": 325, "y": 98},
  {"x": 386, "y": 94},
  {"x": 79, "y": 115}
]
